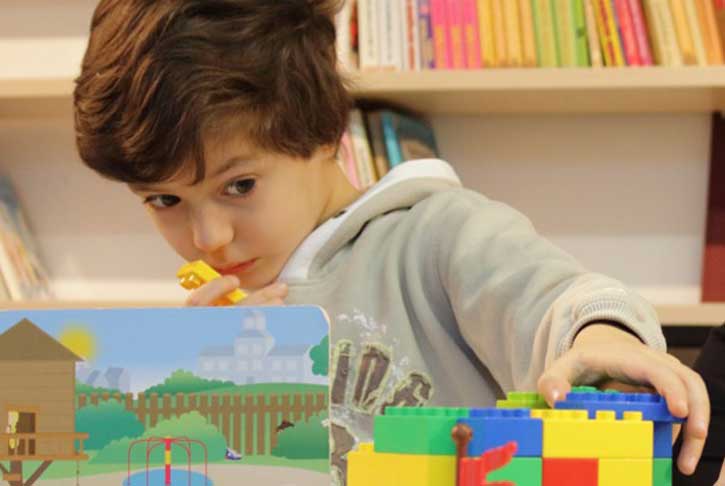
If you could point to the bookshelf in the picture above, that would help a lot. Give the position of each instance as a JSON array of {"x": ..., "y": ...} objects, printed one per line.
[
  {"x": 493, "y": 91},
  {"x": 517, "y": 135}
]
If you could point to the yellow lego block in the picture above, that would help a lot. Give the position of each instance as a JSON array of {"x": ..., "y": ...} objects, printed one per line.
[
  {"x": 368, "y": 468},
  {"x": 571, "y": 434},
  {"x": 193, "y": 275},
  {"x": 625, "y": 472}
]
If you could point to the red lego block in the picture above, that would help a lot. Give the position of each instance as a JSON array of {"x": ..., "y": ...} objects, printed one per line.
[{"x": 570, "y": 472}]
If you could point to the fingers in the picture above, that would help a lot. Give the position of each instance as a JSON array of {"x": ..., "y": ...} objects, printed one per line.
[
  {"x": 556, "y": 381},
  {"x": 271, "y": 295},
  {"x": 210, "y": 292},
  {"x": 698, "y": 421}
]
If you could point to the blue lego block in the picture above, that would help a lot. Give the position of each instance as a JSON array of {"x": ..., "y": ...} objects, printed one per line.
[
  {"x": 662, "y": 440},
  {"x": 652, "y": 406},
  {"x": 494, "y": 427}
]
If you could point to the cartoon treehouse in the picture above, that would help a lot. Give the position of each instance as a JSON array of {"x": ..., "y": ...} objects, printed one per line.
[{"x": 37, "y": 403}]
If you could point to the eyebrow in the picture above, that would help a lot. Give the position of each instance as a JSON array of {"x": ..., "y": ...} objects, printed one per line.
[{"x": 237, "y": 160}]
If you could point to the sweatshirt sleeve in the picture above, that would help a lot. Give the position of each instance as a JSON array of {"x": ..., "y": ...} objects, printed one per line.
[{"x": 519, "y": 301}]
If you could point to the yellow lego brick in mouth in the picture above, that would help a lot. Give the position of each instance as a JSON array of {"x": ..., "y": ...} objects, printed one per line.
[{"x": 194, "y": 274}]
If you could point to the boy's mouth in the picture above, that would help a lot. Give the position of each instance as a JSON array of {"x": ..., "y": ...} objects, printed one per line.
[{"x": 237, "y": 268}]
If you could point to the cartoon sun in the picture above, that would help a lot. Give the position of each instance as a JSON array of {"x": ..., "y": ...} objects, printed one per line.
[{"x": 80, "y": 341}]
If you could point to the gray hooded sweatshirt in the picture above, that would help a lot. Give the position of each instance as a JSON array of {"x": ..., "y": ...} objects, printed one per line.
[{"x": 439, "y": 296}]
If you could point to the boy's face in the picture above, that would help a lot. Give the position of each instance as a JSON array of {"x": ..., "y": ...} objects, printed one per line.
[{"x": 250, "y": 212}]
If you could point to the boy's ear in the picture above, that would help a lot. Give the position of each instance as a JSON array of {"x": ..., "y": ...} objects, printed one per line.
[{"x": 327, "y": 151}]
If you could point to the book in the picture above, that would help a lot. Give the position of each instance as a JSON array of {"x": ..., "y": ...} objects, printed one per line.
[
  {"x": 361, "y": 147},
  {"x": 713, "y": 266},
  {"x": 696, "y": 32},
  {"x": 682, "y": 30},
  {"x": 711, "y": 36},
  {"x": 546, "y": 45},
  {"x": 639, "y": 23},
  {"x": 719, "y": 6},
  {"x": 22, "y": 270},
  {"x": 412, "y": 44},
  {"x": 407, "y": 137},
  {"x": 346, "y": 159},
  {"x": 343, "y": 41},
  {"x": 512, "y": 31},
  {"x": 662, "y": 29},
  {"x": 441, "y": 43},
  {"x": 472, "y": 41},
  {"x": 581, "y": 38},
  {"x": 595, "y": 48},
  {"x": 180, "y": 396},
  {"x": 454, "y": 16},
  {"x": 374, "y": 126},
  {"x": 528, "y": 35},
  {"x": 626, "y": 27},
  {"x": 499, "y": 33},
  {"x": 369, "y": 40},
  {"x": 564, "y": 27},
  {"x": 390, "y": 29},
  {"x": 425, "y": 36},
  {"x": 486, "y": 33}
]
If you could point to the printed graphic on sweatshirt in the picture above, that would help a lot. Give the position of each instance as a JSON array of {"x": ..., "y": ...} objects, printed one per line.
[{"x": 367, "y": 376}]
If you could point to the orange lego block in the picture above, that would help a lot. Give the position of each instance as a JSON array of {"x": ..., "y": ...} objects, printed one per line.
[
  {"x": 193, "y": 275},
  {"x": 571, "y": 434}
]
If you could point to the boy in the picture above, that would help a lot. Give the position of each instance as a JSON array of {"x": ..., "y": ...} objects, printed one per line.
[{"x": 224, "y": 117}]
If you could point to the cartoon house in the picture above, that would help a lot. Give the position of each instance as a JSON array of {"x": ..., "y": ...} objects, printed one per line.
[
  {"x": 37, "y": 402},
  {"x": 255, "y": 358}
]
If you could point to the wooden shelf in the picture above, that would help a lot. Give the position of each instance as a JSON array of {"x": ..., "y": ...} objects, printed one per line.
[
  {"x": 571, "y": 90},
  {"x": 669, "y": 315},
  {"x": 610, "y": 90}
]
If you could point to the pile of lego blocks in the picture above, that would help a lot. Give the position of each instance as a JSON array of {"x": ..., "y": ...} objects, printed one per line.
[{"x": 592, "y": 438}]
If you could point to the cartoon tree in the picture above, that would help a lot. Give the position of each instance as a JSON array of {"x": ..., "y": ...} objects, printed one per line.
[{"x": 320, "y": 356}]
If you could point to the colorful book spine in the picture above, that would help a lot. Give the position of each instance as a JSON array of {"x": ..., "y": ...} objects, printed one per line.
[
  {"x": 608, "y": 33},
  {"x": 347, "y": 160},
  {"x": 581, "y": 39},
  {"x": 719, "y": 6},
  {"x": 427, "y": 47},
  {"x": 564, "y": 32},
  {"x": 528, "y": 36},
  {"x": 499, "y": 32},
  {"x": 343, "y": 41},
  {"x": 512, "y": 29},
  {"x": 368, "y": 32},
  {"x": 439, "y": 22},
  {"x": 361, "y": 148},
  {"x": 486, "y": 33},
  {"x": 454, "y": 17},
  {"x": 595, "y": 48},
  {"x": 547, "y": 50},
  {"x": 395, "y": 155},
  {"x": 471, "y": 35},
  {"x": 710, "y": 32},
  {"x": 693, "y": 22},
  {"x": 639, "y": 24},
  {"x": 682, "y": 30},
  {"x": 626, "y": 26}
]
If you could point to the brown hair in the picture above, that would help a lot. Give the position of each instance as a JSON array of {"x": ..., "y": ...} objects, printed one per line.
[{"x": 159, "y": 74}]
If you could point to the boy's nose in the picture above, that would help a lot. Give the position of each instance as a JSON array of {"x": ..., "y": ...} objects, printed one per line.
[{"x": 211, "y": 231}]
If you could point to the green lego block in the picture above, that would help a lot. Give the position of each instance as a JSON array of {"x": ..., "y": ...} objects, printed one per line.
[
  {"x": 417, "y": 430},
  {"x": 662, "y": 472},
  {"x": 526, "y": 471},
  {"x": 523, "y": 400}
]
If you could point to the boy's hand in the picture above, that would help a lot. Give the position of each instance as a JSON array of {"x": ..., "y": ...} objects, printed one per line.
[
  {"x": 601, "y": 351},
  {"x": 210, "y": 292}
]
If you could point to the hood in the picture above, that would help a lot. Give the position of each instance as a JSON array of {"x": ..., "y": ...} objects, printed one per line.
[{"x": 401, "y": 188}]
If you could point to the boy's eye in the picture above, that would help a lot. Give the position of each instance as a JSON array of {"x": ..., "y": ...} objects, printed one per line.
[
  {"x": 240, "y": 187},
  {"x": 162, "y": 201}
]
